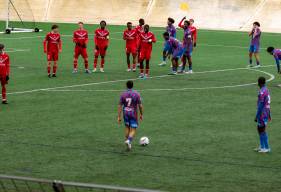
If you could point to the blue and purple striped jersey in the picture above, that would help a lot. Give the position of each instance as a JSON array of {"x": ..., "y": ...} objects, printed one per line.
[
  {"x": 130, "y": 100},
  {"x": 172, "y": 30},
  {"x": 277, "y": 54},
  {"x": 255, "y": 38},
  {"x": 263, "y": 106}
]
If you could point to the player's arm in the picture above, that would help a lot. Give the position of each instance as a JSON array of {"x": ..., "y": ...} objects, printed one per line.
[
  {"x": 8, "y": 69},
  {"x": 119, "y": 112},
  {"x": 251, "y": 32},
  {"x": 141, "y": 111},
  {"x": 180, "y": 23},
  {"x": 153, "y": 39}
]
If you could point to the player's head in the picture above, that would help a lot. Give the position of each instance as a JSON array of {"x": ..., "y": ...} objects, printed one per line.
[
  {"x": 141, "y": 22},
  {"x": 80, "y": 25},
  {"x": 129, "y": 25},
  {"x": 166, "y": 36},
  {"x": 146, "y": 28},
  {"x": 55, "y": 28},
  {"x": 102, "y": 24},
  {"x": 186, "y": 24},
  {"x": 191, "y": 21},
  {"x": 270, "y": 50},
  {"x": 261, "y": 81},
  {"x": 130, "y": 84},
  {"x": 256, "y": 24},
  {"x": 2, "y": 46},
  {"x": 170, "y": 21}
]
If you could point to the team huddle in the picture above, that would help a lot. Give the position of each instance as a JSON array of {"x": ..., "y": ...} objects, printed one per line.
[{"x": 139, "y": 42}]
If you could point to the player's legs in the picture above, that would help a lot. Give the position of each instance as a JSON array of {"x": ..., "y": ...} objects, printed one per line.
[
  {"x": 164, "y": 58},
  {"x": 102, "y": 54},
  {"x": 55, "y": 66},
  {"x": 3, "y": 84},
  {"x": 147, "y": 68},
  {"x": 96, "y": 56},
  {"x": 134, "y": 61},
  {"x": 183, "y": 59},
  {"x": 174, "y": 66},
  {"x": 128, "y": 61},
  {"x": 256, "y": 54},
  {"x": 189, "y": 59},
  {"x": 251, "y": 51},
  {"x": 75, "y": 59},
  {"x": 86, "y": 60},
  {"x": 264, "y": 146},
  {"x": 141, "y": 60},
  {"x": 127, "y": 132}
]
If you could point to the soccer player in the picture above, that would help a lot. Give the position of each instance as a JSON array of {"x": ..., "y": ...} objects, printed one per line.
[
  {"x": 130, "y": 36},
  {"x": 80, "y": 38},
  {"x": 173, "y": 33},
  {"x": 263, "y": 115},
  {"x": 176, "y": 49},
  {"x": 101, "y": 41},
  {"x": 255, "y": 35},
  {"x": 193, "y": 31},
  {"x": 139, "y": 29},
  {"x": 188, "y": 44},
  {"x": 52, "y": 47},
  {"x": 147, "y": 38},
  {"x": 4, "y": 72},
  {"x": 130, "y": 102},
  {"x": 277, "y": 56}
]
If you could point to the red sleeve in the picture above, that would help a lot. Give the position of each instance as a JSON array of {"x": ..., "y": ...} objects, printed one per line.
[
  {"x": 180, "y": 23},
  {"x": 8, "y": 65}
]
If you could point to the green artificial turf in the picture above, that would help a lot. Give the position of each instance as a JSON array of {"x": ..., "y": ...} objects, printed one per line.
[{"x": 201, "y": 126}]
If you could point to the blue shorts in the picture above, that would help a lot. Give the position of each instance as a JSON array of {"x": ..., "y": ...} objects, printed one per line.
[
  {"x": 131, "y": 122},
  {"x": 254, "y": 49},
  {"x": 188, "y": 51},
  {"x": 178, "y": 53}
]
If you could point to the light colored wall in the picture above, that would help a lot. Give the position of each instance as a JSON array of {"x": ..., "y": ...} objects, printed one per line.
[{"x": 209, "y": 14}]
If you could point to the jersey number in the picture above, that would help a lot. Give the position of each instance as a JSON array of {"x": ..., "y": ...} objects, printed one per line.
[{"x": 129, "y": 101}]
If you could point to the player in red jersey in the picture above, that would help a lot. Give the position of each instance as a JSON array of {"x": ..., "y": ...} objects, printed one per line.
[
  {"x": 52, "y": 47},
  {"x": 101, "y": 41},
  {"x": 147, "y": 38},
  {"x": 194, "y": 31},
  {"x": 4, "y": 72},
  {"x": 80, "y": 38},
  {"x": 130, "y": 36},
  {"x": 139, "y": 29}
]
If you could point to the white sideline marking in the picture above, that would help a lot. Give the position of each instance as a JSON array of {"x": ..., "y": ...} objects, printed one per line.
[
  {"x": 12, "y": 50},
  {"x": 124, "y": 80}
]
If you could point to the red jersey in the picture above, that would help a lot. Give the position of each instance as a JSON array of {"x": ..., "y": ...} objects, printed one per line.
[
  {"x": 80, "y": 37},
  {"x": 4, "y": 64},
  {"x": 52, "y": 42},
  {"x": 101, "y": 37},
  {"x": 194, "y": 33},
  {"x": 147, "y": 39},
  {"x": 139, "y": 29},
  {"x": 131, "y": 37}
]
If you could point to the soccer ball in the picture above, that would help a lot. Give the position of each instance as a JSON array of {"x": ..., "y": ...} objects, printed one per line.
[{"x": 144, "y": 141}]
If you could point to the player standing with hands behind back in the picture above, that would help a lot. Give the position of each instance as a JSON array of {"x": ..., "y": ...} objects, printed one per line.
[
  {"x": 52, "y": 47},
  {"x": 4, "y": 72},
  {"x": 101, "y": 42},
  {"x": 130, "y": 103}
]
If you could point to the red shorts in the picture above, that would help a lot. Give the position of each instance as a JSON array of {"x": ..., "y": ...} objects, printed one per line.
[
  {"x": 52, "y": 55},
  {"x": 145, "y": 54},
  {"x": 80, "y": 51},
  {"x": 131, "y": 50},
  {"x": 101, "y": 50}
]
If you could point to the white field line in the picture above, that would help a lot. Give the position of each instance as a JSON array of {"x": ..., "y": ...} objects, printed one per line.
[
  {"x": 124, "y": 80},
  {"x": 272, "y": 77},
  {"x": 12, "y": 50}
]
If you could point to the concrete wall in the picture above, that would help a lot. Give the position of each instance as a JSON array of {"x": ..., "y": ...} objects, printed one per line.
[{"x": 209, "y": 14}]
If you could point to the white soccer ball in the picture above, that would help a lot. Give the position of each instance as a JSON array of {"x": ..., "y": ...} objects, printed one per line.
[{"x": 144, "y": 141}]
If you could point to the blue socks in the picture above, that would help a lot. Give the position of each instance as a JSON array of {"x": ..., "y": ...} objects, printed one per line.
[{"x": 264, "y": 140}]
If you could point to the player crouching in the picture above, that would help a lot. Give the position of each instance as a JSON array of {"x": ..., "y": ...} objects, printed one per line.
[
  {"x": 130, "y": 102},
  {"x": 101, "y": 41},
  {"x": 52, "y": 47},
  {"x": 80, "y": 38},
  {"x": 146, "y": 38},
  {"x": 176, "y": 49},
  {"x": 4, "y": 72},
  {"x": 276, "y": 53}
]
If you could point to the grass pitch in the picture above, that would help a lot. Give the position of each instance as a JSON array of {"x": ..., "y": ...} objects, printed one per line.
[{"x": 201, "y": 126}]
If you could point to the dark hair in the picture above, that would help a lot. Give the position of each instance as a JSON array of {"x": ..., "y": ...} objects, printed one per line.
[
  {"x": 270, "y": 49},
  {"x": 80, "y": 22},
  {"x": 55, "y": 27},
  {"x": 103, "y": 21},
  {"x": 2, "y": 46},
  {"x": 130, "y": 84},
  {"x": 129, "y": 23},
  {"x": 141, "y": 21},
  {"x": 166, "y": 34},
  {"x": 191, "y": 20},
  {"x": 257, "y": 23},
  {"x": 171, "y": 20},
  {"x": 261, "y": 81},
  {"x": 188, "y": 22}
]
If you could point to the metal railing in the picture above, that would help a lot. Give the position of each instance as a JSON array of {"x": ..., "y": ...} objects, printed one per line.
[{"x": 27, "y": 184}]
